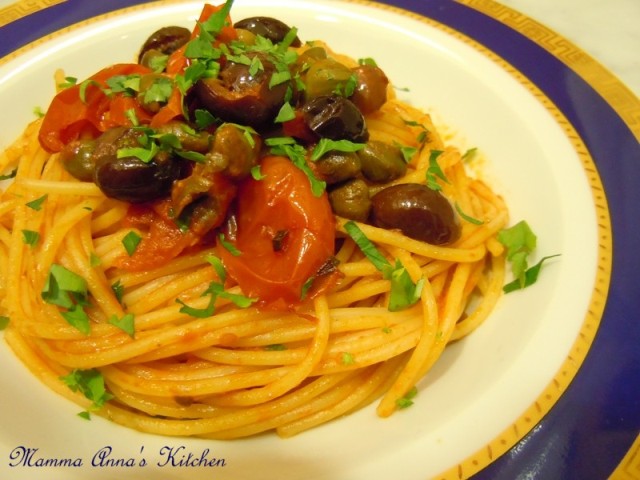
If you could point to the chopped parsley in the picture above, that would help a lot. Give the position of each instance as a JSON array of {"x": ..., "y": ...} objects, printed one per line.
[
  {"x": 520, "y": 242},
  {"x": 68, "y": 290},
  {"x": 31, "y": 238},
  {"x": 288, "y": 147},
  {"x": 348, "y": 358},
  {"x": 327, "y": 145},
  {"x": 434, "y": 172},
  {"x": 118, "y": 290},
  {"x": 407, "y": 400},
  {"x": 126, "y": 323},
  {"x": 37, "y": 203},
  {"x": 468, "y": 218},
  {"x": 404, "y": 292},
  {"x": 4, "y": 322},
  {"x": 130, "y": 242},
  {"x": 216, "y": 290},
  {"x": 91, "y": 384},
  {"x": 10, "y": 175}
]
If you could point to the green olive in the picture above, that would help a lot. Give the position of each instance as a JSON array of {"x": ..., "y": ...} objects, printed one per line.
[
  {"x": 312, "y": 55},
  {"x": 351, "y": 200},
  {"x": 77, "y": 159},
  {"x": 336, "y": 167},
  {"x": 325, "y": 77},
  {"x": 154, "y": 91},
  {"x": 153, "y": 59},
  {"x": 371, "y": 88},
  {"x": 245, "y": 36},
  {"x": 382, "y": 162}
]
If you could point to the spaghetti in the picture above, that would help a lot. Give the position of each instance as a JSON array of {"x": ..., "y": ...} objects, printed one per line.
[{"x": 227, "y": 363}]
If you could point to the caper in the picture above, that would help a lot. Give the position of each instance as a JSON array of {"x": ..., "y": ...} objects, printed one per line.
[
  {"x": 336, "y": 167},
  {"x": 417, "y": 211},
  {"x": 190, "y": 139},
  {"x": 235, "y": 150},
  {"x": 351, "y": 200},
  {"x": 382, "y": 162}
]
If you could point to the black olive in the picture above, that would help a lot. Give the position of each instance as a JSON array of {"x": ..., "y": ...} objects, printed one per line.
[
  {"x": 417, "y": 211},
  {"x": 382, "y": 162},
  {"x": 268, "y": 27},
  {"x": 239, "y": 96},
  {"x": 165, "y": 41},
  {"x": 128, "y": 178},
  {"x": 336, "y": 118},
  {"x": 351, "y": 200}
]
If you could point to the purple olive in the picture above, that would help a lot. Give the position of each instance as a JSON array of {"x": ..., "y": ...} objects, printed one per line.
[
  {"x": 268, "y": 27},
  {"x": 417, "y": 211},
  {"x": 128, "y": 178},
  {"x": 164, "y": 41},
  {"x": 336, "y": 118},
  {"x": 243, "y": 97}
]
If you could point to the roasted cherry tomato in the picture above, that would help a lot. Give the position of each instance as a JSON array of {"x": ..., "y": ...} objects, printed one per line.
[
  {"x": 162, "y": 238},
  {"x": 283, "y": 232},
  {"x": 71, "y": 115}
]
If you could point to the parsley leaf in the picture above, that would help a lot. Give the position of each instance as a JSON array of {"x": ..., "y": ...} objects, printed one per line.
[
  {"x": 30, "y": 237},
  {"x": 404, "y": 292},
  {"x": 229, "y": 246},
  {"x": 327, "y": 145},
  {"x": 126, "y": 323},
  {"x": 530, "y": 276},
  {"x": 407, "y": 400},
  {"x": 285, "y": 114},
  {"x": 288, "y": 147},
  {"x": 131, "y": 241},
  {"x": 91, "y": 384},
  {"x": 519, "y": 241},
  {"x": 68, "y": 290},
  {"x": 9, "y": 175},
  {"x": 37, "y": 203},
  {"x": 464, "y": 216},
  {"x": 118, "y": 290},
  {"x": 213, "y": 25},
  {"x": 216, "y": 290},
  {"x": 4, "y": 322},
  {"x": 348, "y": 358},
  {"x": 434, "y": 171}
]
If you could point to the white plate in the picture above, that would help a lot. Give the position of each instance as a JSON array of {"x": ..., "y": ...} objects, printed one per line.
[{"x": 479, "y": 387}]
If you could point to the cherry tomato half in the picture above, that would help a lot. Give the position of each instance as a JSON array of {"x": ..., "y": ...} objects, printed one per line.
[{"x": 284, "y": 234}]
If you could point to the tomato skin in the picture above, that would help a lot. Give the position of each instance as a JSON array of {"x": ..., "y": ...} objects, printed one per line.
[
  {"x": 68, "y": 117},
  {"x": 280, "y": 202}
]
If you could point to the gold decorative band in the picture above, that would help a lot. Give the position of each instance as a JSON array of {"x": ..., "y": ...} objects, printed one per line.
[
  {"x": 625, "y": 103},
  {"x": 22, "y": 8}
]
